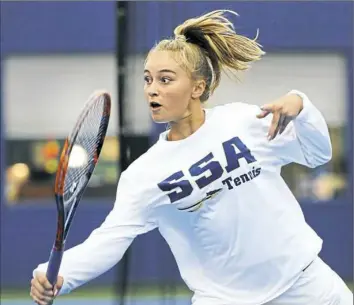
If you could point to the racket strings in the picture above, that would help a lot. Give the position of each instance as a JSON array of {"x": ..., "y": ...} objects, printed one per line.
[{"x": 84, "y": 150}]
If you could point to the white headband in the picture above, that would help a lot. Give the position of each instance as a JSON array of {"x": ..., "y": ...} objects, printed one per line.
[{"x": 211, "y": 69}]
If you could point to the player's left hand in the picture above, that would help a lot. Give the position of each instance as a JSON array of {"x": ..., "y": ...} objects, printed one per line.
[{"x": 284, "y": 110}]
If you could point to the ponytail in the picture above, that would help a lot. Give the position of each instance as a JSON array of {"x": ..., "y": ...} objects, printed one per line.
[{"x": 219, "y": 48}]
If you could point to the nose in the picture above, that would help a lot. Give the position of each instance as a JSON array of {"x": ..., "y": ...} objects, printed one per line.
[
  {"x": 152, "y": 94},
  {"x": 152, "y": 90}
]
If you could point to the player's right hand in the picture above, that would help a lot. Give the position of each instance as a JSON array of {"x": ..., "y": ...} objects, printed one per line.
[{"x": 42, "y": 292}]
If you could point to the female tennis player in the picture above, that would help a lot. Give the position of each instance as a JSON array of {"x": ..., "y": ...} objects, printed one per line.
[{"x": 212, "y": 184}]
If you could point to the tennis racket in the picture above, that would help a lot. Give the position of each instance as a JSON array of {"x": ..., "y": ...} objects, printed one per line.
[{"x": 77, "y": 162}]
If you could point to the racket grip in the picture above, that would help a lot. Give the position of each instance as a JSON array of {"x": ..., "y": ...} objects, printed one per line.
[{"x": 54, "y": 265}]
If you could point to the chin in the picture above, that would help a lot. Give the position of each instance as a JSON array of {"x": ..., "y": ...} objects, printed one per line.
[{"x": 158, "y": 119}]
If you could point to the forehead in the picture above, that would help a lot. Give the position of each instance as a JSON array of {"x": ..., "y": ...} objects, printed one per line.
[{"x": 159, "y": 60}]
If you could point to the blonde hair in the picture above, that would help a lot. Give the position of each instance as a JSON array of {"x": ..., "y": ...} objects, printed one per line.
[{"x": 209, "y": 44}]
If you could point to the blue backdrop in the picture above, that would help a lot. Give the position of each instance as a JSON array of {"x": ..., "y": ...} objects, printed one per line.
[{"x": 89, "y": 27}]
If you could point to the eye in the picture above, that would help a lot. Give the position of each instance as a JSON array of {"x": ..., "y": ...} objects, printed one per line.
[
  {"x": 147, "y": 79},
  {"x": 165, "y": 80}
]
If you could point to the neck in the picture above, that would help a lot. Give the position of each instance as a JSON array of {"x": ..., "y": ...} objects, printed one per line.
[{"x": 187, "y": 125}]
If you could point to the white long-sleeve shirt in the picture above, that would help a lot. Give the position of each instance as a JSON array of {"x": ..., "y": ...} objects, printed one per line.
[{"x": 217, "y": 197}]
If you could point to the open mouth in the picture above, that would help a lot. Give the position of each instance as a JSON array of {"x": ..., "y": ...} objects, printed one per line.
[{"x": 155, "y": 105}]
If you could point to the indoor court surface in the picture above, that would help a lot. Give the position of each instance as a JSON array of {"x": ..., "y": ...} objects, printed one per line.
[
  {"x": 83, "y": 301},
  {"x": 101, "y": 299}
]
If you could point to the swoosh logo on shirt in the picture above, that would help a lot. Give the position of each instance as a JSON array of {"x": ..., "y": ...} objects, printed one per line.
[{"x": 198, "y": 205}]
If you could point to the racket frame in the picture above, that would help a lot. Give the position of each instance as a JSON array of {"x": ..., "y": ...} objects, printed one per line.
[{"x": 66, "y": 215}]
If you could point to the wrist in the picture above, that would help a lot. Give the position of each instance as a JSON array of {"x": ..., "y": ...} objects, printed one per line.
[{"x": 298, "y": 99}]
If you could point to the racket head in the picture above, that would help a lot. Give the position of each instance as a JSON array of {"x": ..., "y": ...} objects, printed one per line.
[{"x": 78, "y": 159}]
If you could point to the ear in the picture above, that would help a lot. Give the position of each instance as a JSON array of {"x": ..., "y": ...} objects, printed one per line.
[{"x": 198, "y": 89}]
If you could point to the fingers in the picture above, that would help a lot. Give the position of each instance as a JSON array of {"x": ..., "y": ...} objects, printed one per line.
[
  {"x": 60, "y": 282},
  {"x": 263, "y": 114},
  {"x": 280, "y": 119},
  {"x": 283, "y": 124},
  {"x": 273, "y": 126},
  {"x": 269, "y": 107},
  {"x": 266, "y": 109},
  {"x": 40, "y": 298},
  {"x": 41, "y": 290},
  {"x": 45, "y": 283},
  {"x": 42, "y": 286}
]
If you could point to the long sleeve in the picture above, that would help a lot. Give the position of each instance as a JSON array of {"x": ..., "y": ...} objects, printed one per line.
[
  {"x": 107, "y": 244},
  {"x": 305, "y": 140}
]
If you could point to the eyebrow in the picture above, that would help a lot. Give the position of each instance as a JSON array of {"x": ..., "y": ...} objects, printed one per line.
[{"x": 162, "y": 71}]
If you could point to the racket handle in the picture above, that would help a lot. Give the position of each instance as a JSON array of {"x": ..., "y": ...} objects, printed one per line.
[{"x": 54, "y": 265}]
